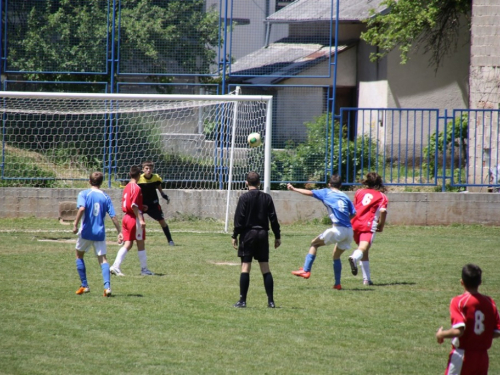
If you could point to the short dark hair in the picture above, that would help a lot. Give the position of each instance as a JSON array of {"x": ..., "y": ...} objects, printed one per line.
[
  {"x": 135, "y": 172},
  {"x": 471, "y": 275},
  {"x": 148, "y": 164},
  {"x": 96, "y": 178},
  {"x": 253, "y": 179},
  {"x": 335, "y": 181},
  {"x": 374, "y": 181}
]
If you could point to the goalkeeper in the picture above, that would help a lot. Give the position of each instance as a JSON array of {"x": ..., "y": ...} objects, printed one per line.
[{"x": 150, "y": 183}]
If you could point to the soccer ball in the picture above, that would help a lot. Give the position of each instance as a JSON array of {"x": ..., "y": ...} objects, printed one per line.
[{"x": 254, "y": 140}]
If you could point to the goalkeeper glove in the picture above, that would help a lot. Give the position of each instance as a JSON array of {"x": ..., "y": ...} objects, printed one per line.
[{"x": 165, "y": 196}]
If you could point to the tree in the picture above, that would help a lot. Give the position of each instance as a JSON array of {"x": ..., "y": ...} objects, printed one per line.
[
  {"x": 433, "y": 25},
  {"x": 151, "y": 37}
]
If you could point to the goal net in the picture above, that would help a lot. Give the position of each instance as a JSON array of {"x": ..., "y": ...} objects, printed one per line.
[{"x": 198, "y": 143}]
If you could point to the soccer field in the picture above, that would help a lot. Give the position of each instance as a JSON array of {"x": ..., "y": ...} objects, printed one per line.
[{"x": 182, "y": 320}]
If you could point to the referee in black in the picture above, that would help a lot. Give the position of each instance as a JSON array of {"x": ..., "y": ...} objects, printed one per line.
[{"x": 254, "y": 211}]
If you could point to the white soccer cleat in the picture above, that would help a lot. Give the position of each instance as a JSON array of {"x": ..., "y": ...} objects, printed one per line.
[
  {"x": 107, "y": 292},
  {"x": 115, "y": 271}
]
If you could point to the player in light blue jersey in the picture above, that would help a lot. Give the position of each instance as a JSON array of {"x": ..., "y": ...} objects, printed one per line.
[
  {"x": 340, "y": 210},
  {"x": 93, "y": 204}
]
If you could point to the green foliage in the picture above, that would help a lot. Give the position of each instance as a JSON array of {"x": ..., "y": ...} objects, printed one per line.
[
  {"x": 457, "y": 135},
  {"x": 431, "y": 24},
  {"x": 72, "y": 36},
  {"x": 70, "y": 155},
  {"x": 210, "y": 129},
  {"x": 25, "y": 171},
  {"x": 313, "y": 159}
]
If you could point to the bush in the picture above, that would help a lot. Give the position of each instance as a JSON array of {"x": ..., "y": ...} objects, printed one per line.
[
  {"x": 314, "y": 160},
  {"x": 25, "y": 172},
  {"x": 457, "y": 135}
]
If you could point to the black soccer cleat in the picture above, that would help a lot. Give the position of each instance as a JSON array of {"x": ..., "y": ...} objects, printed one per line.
[
  {"x": 354, "y": 267},
  {"x": 271, "y": 305},
  {"x": 240, "y": 304}
]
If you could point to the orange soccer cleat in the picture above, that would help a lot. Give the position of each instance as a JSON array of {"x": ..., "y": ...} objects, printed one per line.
[
  {"x": 302, "y": 273},
  {"x": 83, "y": 289}
]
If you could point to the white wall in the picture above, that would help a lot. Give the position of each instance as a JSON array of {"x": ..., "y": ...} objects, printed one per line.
[
  {"x": 295, "y": 106},
  {"x": 346, "y": 72}
]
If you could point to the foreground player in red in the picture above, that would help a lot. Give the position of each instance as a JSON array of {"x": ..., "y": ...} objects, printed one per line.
[
  {"x": 474, "y": 325},
  {"x": 371, "y": 211}
]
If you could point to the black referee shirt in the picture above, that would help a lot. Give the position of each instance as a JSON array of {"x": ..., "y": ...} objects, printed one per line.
[{"x": 255, "y": 209}]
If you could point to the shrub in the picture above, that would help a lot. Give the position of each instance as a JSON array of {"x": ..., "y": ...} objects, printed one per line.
[{"x": 314, "y": 159}]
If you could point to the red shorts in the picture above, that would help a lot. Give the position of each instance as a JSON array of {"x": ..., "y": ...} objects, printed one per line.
[
  {"x": 131, "y": 229},
  {"x": 363, "y": 236},
  {"x": 467, "y": 362}
]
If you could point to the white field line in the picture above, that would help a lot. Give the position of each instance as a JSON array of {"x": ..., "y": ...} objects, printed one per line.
[{"x": 107, "y": 231}]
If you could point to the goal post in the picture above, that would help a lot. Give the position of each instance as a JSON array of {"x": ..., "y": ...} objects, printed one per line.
[{"x": 197, "y": 142}]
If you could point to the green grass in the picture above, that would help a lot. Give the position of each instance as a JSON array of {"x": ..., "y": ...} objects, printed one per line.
[{"x": 183, "y": 322}]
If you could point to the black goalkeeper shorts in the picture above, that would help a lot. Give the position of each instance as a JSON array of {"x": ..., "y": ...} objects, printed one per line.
[{"x": 155, "y": 211}]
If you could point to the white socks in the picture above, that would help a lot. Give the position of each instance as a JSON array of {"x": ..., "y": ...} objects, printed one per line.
[
  {"x": 357, "y": 255},
  {"x": 120, "y": 257},
  {"x": 143, "y": 258},
  {"x": 365, "y": 267}
]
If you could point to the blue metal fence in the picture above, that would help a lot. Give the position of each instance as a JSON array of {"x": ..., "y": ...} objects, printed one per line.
[
  {"x": 421, "y": 147},
  {"x": 110, "y": 46}
]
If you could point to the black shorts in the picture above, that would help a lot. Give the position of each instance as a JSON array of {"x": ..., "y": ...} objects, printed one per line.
[
  {"x": 154, "y": 210},
  {"x": 254, "y": 244}
]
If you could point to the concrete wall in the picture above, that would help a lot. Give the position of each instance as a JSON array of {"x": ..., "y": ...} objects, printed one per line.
[
  {"x": 484, "y": 81},
  {"x": 404, "y": 208}
]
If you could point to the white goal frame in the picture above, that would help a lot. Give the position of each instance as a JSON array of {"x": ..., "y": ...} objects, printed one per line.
[{"x": 112, "y": 98}]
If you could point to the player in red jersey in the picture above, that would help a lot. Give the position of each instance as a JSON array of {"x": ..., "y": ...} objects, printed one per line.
[
  {"x": 474, "y": 325},
  {"x": 371, "y": 210},
  {"x": 133, "y": 225}
]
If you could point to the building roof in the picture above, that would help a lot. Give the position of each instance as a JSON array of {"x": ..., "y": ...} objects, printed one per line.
[
  {"x": 282, "y": 59},
  {"x": 325, "y": 10}
]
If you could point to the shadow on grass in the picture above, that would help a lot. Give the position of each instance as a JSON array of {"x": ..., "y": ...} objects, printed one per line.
[
  {"x": 369, "y": 288},
  {"x": 395, "y": 283}
]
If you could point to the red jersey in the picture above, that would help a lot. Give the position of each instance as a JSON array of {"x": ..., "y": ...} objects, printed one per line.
[
  {"x": 479, "y": 315},
  {"x": 368, "y": 204},
  {"x": 132, "y": 196}
]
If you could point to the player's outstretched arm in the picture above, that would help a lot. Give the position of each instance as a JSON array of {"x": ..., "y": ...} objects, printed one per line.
[{"x": 290, "y": 187}]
